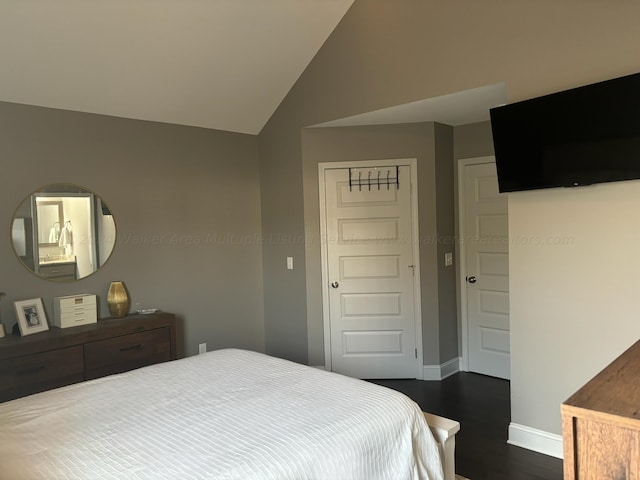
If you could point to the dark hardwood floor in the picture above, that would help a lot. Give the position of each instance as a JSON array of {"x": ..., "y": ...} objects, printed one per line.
[{"x": 482, "y": 406}]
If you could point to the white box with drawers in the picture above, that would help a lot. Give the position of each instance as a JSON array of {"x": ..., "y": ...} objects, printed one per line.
[{"x": 74, "y": 310}]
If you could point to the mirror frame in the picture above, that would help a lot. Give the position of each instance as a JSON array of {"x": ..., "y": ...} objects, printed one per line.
[{"x": 98, "y": 225}]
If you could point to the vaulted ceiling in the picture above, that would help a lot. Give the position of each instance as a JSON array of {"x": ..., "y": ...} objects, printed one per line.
[{"x": 221, "y": 64}]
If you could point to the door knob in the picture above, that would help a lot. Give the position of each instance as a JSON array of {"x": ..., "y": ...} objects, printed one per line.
[
  {"x": 335, "y": 284},
  {"x": 471, "y": 279}
]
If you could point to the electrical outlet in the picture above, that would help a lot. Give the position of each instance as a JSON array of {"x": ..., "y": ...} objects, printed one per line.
[{"x": 202, "y": 348}]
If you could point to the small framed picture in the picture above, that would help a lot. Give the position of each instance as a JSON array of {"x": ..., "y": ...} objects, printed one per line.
[{"x": 31, "y": 316}]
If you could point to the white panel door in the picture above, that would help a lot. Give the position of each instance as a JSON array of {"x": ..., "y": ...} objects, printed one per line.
[
  {"x": 487, "y": 272},
  {"x": 370, "y": 272}
]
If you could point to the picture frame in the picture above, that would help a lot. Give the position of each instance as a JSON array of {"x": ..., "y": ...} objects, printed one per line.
[{"x": 31, "y": 316}]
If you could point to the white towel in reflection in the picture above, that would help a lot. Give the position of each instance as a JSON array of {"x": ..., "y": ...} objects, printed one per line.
[
  {"x": 66, "y": 236},
  {"x": 53, "y": 235}
]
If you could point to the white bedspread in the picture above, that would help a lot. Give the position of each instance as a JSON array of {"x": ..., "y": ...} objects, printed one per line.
[{"x": 228, "y": 414}]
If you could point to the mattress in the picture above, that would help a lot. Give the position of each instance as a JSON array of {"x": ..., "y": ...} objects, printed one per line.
[{"x": 226, "y": 414}]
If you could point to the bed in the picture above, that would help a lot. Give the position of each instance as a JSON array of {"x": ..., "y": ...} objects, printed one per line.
[{"x": 227, "y": 414}]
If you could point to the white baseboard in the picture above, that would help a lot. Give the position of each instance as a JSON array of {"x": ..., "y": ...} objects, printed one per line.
[
  {"x": 536, "y": 440},
  {"x": 440, "y": 372},
  {"x": 431, "y": 372}
]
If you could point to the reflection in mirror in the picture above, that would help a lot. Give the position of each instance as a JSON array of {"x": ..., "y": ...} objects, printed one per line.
[
  {"x": 49, "y": 213},
  {"x": 63, "y": 232}
]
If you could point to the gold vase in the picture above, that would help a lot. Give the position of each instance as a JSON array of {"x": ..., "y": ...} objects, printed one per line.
[{"x": 117, "y": 300}]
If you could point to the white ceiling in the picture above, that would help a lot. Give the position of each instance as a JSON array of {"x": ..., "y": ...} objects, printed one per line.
[
  {"x": 221, "y": 64},
  {"x": 459, "y": 108}
]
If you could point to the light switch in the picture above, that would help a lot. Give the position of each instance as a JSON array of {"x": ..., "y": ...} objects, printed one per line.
[
  {"x": 448, "y": 259},
  {"x": 289, "y": 263}
]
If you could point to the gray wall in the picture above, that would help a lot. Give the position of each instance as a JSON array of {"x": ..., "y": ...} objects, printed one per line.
[
  {"x": 472, "y": 140},
  {"x": 445, "y": 240},
  {"x": 387, "y": 53},
  {"x": 469, "y": 141},
  {"x": 431, "y": 145},
  {"x": 283, "y": 235},
  {"x": 186, "y": 205}
]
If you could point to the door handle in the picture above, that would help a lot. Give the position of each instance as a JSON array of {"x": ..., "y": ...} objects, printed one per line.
[
  {"x": 471, "y": 279},
  {"x": 335, "y": 284},
  {"x": 134, "y": 347}
]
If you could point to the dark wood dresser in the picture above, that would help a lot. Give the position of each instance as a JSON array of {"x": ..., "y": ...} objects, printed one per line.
[
  {"x": 59, "y": 357},
  {"x": 601, "y": 423}
]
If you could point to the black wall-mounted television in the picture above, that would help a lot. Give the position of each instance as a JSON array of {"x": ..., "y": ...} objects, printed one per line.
[{"x": 582, "y": 136}]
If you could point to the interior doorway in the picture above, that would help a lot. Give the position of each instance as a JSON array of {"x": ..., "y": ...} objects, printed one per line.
[
  {"x": 370, "y": 273},
  {"x": 484, "y": 269}
]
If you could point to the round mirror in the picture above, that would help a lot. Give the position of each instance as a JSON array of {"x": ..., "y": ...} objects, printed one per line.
[{"x": 63, "y": 232}]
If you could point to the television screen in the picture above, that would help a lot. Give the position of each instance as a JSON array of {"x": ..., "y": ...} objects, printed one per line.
[{"x": 581, "y": 136}]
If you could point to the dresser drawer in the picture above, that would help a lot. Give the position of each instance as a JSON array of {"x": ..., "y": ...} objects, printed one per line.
[
  {"x": 24, "y": 375},
  {"x": 126, "y": 352}
]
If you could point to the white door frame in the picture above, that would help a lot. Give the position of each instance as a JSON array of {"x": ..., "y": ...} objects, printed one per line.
[
  {"x": 462, "y": 255},
  {"x": 412, "y": 163}
]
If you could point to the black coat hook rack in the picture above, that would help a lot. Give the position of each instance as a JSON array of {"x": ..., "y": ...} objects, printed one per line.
[{"x": 377, "y": 180}]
